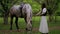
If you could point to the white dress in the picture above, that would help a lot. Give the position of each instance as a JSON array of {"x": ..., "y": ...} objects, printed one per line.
[{"x": 43, "y": 24}]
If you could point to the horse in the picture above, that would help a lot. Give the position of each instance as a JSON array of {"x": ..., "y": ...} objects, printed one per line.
[{"x": 22, "y": 11}]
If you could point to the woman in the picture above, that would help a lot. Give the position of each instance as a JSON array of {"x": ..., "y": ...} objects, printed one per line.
[{"x": 43, "y": 24}]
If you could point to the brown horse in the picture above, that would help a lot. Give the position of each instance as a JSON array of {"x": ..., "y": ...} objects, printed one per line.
[{"x": 22, "y": 11}]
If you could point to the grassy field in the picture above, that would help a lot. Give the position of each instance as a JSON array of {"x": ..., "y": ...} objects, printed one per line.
[{"x": 54, "y": 28}]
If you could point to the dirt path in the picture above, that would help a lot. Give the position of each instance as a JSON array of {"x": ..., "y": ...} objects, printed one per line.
[
  {"x": 34, "y": 29},
  {"x": 50, "y": 28}
]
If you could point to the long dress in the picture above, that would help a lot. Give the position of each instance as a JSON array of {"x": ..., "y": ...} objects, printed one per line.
[{"x": 43, "y": 24}]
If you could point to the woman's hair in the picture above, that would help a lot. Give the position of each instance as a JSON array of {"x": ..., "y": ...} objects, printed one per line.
[{"x": 43, "y": 5}]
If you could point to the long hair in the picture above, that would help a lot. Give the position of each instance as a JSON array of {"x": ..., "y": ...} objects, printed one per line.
[{"x": 43, "y": 5}]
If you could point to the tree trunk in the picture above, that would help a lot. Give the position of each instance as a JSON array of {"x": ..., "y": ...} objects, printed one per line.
[
  {"x": 5, "y": 18},
  {"x": 55, "y": 18},
  {"x": 51, "y": 18}
]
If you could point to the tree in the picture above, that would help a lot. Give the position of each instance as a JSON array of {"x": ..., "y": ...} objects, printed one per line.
[
  {"x": 51, "y": 5},
  {"x": 6, "y": 5}
]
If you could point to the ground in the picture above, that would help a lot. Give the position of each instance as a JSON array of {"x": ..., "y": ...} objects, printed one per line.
[{"x": 54, "y": 28}]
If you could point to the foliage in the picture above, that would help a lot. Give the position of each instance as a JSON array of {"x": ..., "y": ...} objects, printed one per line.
[
  {"x": 52, "y": 5},
  {"x": 36, "y": 5}
]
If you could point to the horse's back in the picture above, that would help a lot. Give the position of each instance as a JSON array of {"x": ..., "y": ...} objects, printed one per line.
[
  {"x": 15, "y": 10},
  {"x": 27, "y": 8},
  {"x": 16, "y": 7}
]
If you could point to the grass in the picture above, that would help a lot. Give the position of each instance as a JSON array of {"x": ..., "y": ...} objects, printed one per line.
[
  {"x": 22, "y": 25},
  {"x": 54, "y": 32}
]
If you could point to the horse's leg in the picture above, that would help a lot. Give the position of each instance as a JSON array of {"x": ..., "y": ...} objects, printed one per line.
[
  {"x": 26, "y": 23},
  {"x": 16, "y": 22},
  {"x": 11, "y": 22}
]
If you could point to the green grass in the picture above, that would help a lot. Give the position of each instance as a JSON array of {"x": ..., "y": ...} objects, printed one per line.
[
  {"x": 22, "y": 25},
  {"x": 54, "y": 32}
]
